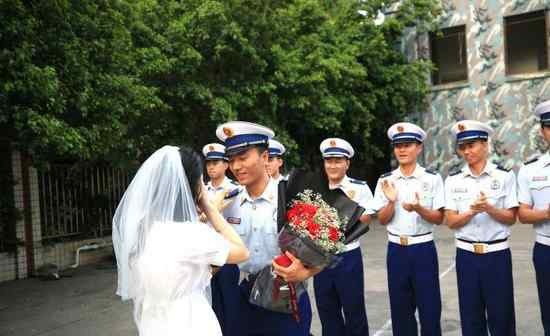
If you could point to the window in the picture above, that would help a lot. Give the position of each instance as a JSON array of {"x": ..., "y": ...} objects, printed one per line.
[
  {"x": 526, "y": 43},
  {"x": 448, "y": 49}
]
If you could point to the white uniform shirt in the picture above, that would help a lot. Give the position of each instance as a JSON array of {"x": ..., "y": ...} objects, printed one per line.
[
  {"x": 280, "y": 178},
  {"x": 428, "y": 185},
  {"x": 534, "y": 188},
  {"x": 463, "y": 188},
  {"x": 357, "y": 190},
  {"x": 226, "y": 186},
  {"x": 256, "y": 222}
]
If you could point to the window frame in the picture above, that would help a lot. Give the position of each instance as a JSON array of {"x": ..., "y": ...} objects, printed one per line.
[
  {"x": 458, "y": 29},
  {"x": 517, "y": 18}
]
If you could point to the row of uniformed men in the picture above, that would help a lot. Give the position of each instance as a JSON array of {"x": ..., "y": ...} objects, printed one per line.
[{"x": 480, "y": 202}]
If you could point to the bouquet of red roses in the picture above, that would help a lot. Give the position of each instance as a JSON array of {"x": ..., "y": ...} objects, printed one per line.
[{"x": 314, "y": 234}]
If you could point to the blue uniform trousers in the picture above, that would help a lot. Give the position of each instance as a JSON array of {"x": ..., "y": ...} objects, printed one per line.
[
  {"x": 226, "y": 298},
  {"x": 413, "y": 282},
  {"x": 486, "y": 293},
  {"x": 541, "y": 259},
  {"x": 341, "y": 289},
  {"x": 256, "y": 321}
]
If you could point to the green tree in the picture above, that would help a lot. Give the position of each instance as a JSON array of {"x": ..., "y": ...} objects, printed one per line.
[
  {"x": 117, "y": 79},
  {"x": 309, "y": 69},
  {"x": 68, "y": 82}
]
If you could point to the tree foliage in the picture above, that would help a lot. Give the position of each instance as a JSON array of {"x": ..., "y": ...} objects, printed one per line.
[{"x": 115, "y": 79}]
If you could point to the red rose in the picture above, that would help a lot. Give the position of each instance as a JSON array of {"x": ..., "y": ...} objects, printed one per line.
[
  {"x": 310, "y": 210},
  {"x": 299, "y": 222},
  {"x": 313, "y": 228},
  {"x": 292, "y": 213},
  {"x": 333, "y": 234}
]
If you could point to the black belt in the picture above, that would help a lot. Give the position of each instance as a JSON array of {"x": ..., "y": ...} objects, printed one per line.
[
  {"x": 418, "y": 235},
  {"x": 483, "y": 242}
]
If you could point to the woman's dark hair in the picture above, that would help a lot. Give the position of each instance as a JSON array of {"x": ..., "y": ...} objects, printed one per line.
[{"x": 192, "y": 164}]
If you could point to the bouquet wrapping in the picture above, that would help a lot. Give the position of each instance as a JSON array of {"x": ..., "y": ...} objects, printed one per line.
[{"x": 314, "y": 234}]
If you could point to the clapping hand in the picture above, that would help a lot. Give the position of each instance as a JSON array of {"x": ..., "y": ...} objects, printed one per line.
[
  {"x": 481, "y": 204},
  {"x": 389, "y": 190},
  {"x": 414, "y": 205}
]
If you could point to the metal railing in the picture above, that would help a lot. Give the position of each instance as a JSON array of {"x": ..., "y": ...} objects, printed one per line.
[{"x": 79, "y": 202}]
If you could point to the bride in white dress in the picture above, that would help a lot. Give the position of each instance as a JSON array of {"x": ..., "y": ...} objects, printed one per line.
[{"x": 164, "y": 253}]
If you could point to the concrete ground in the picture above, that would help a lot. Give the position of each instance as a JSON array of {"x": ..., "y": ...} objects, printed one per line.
[{"x": 85, "y": 304}]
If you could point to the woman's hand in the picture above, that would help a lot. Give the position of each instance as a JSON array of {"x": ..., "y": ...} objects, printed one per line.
[
  {"x": 219, "y": 201},
  {"x": 204, "y": 206}
]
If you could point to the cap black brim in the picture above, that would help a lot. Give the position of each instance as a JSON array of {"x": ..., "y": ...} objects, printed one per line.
[
  {"x": 460, "y": 142},
  {"x": 236, "y": 151},
  {"x": 400, "y": 141}
]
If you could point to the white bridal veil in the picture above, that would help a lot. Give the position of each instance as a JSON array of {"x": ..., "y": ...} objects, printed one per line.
[{"x": 159, "y": 193}]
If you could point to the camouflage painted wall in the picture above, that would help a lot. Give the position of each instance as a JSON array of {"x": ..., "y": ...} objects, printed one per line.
[{"x": 505, "y": 102}]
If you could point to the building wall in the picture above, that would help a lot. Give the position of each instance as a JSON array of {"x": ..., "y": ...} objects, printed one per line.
[{"x": 489, "y": 95}]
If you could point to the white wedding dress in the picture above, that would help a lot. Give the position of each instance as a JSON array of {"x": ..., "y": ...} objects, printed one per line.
[{"x": 173, "y": 273}]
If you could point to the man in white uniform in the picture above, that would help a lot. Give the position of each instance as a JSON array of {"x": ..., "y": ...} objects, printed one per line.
[
  {"x": 339, "y": 290},
  {"x": 534, "y": 208},
  {"x": 253, "y": 213},
  {"x": 409, "y": 201},
  {"x": 275, "y": 163},
  {"x": 481, "y": 205}
]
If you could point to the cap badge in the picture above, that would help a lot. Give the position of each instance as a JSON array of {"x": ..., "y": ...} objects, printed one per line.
[
  {"x": 333, "y": 143},
  {"x": 461, "y": 127},
  {"x": 228, "y": 132},
  {"x": 211, "y": 148},
  {"x": 400, "y": 129}
]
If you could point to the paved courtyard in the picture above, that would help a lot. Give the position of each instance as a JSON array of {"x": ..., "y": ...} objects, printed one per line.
[{"x": 85, "y": 304}]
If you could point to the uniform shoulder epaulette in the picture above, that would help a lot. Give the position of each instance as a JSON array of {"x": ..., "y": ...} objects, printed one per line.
[
  {"x": 454, "y": 172},
  {"x": 499, "y": 167},
  {"x": 357, "y": 181},
  {"x": 386, "y": 174},
  {"x": 233, "y": 193},
  {"x": 531, "y": 161},
  {"x": 431, "y": 171}
]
